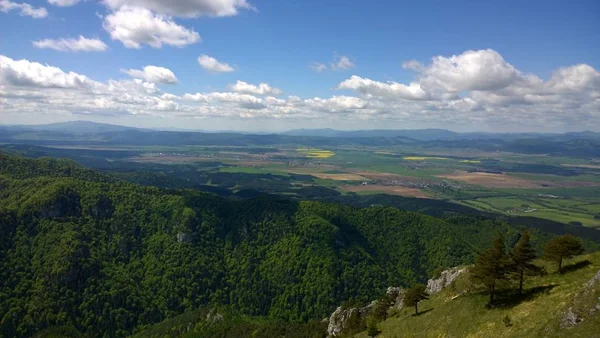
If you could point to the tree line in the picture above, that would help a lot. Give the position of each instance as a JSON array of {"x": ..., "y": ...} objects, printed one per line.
[{"x": 496, "y": 266}]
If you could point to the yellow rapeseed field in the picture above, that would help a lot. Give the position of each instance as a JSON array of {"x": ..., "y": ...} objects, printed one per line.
[{"x": 316, "y": 153}]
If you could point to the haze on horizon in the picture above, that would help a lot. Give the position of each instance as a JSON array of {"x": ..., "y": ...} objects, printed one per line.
[{"x": 257, "y": 65}]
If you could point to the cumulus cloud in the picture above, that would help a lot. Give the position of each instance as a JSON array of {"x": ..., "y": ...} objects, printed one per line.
[
  {"x": 384, "y": 89},
  {"x": 342, "y": 63},
  {"x": 471, "y": 70},
  {"x": 82, "y": 44},
  {"x": 185, "y": 8},
  {"x": 23, "y": 73},
  {"x": 24, "y": 9},
  {"x": 213, "y": 65},
  {"x": 153, "y": 74},
  {"x": 63, "y": 3},
  {"x": 135, "y": 26},
  {"x": 570, "y": 98},
  {"x": 243, "y": 100},
  {"x": 260, "y": 89}
]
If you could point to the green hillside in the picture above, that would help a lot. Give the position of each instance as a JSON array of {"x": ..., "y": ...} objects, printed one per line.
[
  {"x": 538, "y": 313},
  {"x": 109, "y": 258}
]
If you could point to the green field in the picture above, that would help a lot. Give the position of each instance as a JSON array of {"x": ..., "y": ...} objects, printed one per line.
[
  {"x": 448, "y": 315},
  {"x": 575, "y": 192}
]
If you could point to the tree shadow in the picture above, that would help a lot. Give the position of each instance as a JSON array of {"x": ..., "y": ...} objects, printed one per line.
[
  {"x": 421, "y": 312},
  {"x": 510, "y": 298},
  {"x": 575, "y": 266}
]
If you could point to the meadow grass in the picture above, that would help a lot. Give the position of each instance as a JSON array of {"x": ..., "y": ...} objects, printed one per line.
[{"x": 538, "y": 315}]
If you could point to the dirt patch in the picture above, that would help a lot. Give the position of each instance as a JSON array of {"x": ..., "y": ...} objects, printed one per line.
[
  {"x": 492, "y": 180},
  {"x": 168, "y": 159},
  {"x": 589, "y": 166},
  {"x": 388, "y": 189},
  {"x": 506, "y": 181},
  {"x": 373, "y": 175},
  {"x": 340, "y": 177}
]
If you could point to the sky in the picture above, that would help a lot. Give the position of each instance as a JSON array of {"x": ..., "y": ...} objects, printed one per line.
[{"x": 271, "y": 65}]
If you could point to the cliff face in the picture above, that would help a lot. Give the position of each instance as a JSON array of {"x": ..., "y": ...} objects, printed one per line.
[
  {"x": 446, "y": 278},
  {"x": 585, "y": 304},
  {"x": 344, "y": 318}
]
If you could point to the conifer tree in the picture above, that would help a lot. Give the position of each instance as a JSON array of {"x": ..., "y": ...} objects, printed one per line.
[
  {"x": 372, "y": 329},
  {"x": 522, "y": 255},
  {"x": 560, "y": 248},
  {"x": 414, "y": 295},
  {"x": 492, "y": 267}
]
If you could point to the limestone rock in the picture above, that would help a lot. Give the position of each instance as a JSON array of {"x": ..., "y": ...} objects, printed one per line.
[
  {"x": 183, "y": 237},
  {"x": 341, "y": 318},
  {"x": 398, "y": 294},
  {"x": 592, "y": 282},
  {"x": 570, "y": 318},
  {"x": 214, "y": 317},
  {"x": 446, "y": 278}
]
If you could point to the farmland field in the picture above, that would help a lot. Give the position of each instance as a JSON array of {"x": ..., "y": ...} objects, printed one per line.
[{"x": 557, "y": 188}]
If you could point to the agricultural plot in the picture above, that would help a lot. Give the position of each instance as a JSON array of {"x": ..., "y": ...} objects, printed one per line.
[{"x": 556, "y": 188}]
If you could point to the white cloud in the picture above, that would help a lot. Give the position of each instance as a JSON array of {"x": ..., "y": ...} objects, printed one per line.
[
  {"x": 413, "y": 65},
  {"x": 260, "y": 89},
  {"x": 81, "y": 44},
  {"x": 24, "y": 9},
  {"x": 569, "y": 99},
  {"x": 342, "y": 63},
  {"x": 471, "y": 70},
  {"x": 63, "y": 3},
  {"x": 185, "y": 8},
  {"x": 388, "y": 89},
  {"x": 212, "y": 65},
  {"x": 137, "y": 26},
  {"x": 153, "y": 74},
  {"x": 574, "y": 79},
  {"x": 318, "y": 67},
  {"x": 240, "y": 100},
  {"x": 23, "y": 73}
]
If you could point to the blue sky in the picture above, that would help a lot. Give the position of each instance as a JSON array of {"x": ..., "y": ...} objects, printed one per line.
[{"x": 279, "y": 42}]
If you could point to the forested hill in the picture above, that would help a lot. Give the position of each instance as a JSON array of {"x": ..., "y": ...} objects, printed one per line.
[{"x": 108, "y": 257}]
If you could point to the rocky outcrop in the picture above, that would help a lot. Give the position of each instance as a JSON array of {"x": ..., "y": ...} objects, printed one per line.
[
  {"x": 397, "y": 293},
  {"x": 583, "y": 305},
  {"x": 213, "y": 317},
  {"x": 592, "y": 282},
  {"x": 342, "y": 319},
  {"x": 446, "y": 278},
  {"x": 570, "y": 318},
  {"x": 589, "y": 288},
  {"x": 183, "y": 237}
]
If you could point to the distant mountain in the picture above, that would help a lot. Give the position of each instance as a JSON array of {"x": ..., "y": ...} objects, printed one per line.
[
  {"x": 416, "y": 134},
  {"x": 73, "y": 127},
  {"x": 439, "y": 134}
]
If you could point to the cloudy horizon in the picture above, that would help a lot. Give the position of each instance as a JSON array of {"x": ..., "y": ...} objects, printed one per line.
[{"x": 154, "y": 64}]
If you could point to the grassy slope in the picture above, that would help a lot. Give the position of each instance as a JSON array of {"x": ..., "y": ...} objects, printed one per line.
[{"x": 537, "y": 316}]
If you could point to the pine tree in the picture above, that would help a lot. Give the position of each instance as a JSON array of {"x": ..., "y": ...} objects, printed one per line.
[
  {"x": 522, "y": 255},
  {"x": 414, "y": 295},
  {"x": 382, "y": 306},
  {"x": 560, "y": 248},
  {"x": 372, "y": 330},
  {"x": 491, "y": 267}
]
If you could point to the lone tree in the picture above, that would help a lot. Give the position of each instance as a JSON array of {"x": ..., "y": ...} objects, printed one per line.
[
  {"x": 522, "y": 255},
  {"x": 372, "y": 329},
  {"x": 492, "y": 267},
  {"x": 563, "y": 247},
  {"x": 383, "y": 304},
  {"x": 414, "y": 295}
]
